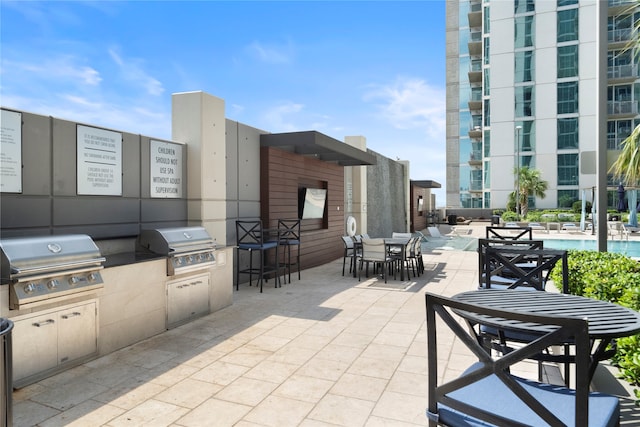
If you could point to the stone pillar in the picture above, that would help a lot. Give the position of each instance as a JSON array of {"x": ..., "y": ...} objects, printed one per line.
[
  {"x": 407, "y": 193},
  {"x": 198, "y": 119},
  {"x": 355, "y": 180}
]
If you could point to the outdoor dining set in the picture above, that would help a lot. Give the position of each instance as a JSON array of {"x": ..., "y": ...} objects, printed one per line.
[
  {"x": 513, "y": 317},
  {"x": 401, "y": 253}
]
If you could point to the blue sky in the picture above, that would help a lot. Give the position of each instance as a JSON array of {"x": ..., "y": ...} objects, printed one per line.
[{"x": 375, "y": 69}]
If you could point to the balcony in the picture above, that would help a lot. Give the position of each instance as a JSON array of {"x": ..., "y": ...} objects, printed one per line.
[
  {"x": 616, "y": 7},
  {"x": 475, "y": 186},
  {"x": 622, "y": 73},
  {"x": 475, "y": 132},
  {"x": 475, "y": 72},
  {"x": 475, "y": 158},
  {"x": 622, "y": 108},
  {"x": 475, "y": 15},
  {"x": 618, "y": 38},
  {"x": 475, "y": 43},
  {"x": 475, "y": 102},
  {"x": 615, "y": 142}
]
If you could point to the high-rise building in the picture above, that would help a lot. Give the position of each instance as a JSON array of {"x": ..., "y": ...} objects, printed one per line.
[{"x": 522, "y": 79}]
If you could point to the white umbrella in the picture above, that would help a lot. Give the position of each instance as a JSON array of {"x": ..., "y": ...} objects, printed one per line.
[
  {"x": 633, "y": 206},
  {"x": 583, "y": 213}
]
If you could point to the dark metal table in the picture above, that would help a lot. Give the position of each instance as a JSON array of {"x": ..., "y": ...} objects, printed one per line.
[
  {"x": 607, "y": 321},
  {"x": 401, "y": 244}
]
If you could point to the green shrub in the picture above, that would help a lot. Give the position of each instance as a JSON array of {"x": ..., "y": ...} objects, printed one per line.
[
  {"x": 610, "y": 277},
  {"x": 509, "y": 216}
]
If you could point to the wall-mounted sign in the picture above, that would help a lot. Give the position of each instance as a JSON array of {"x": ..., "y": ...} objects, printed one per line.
[
  {"x": 99, "y": 162},
  {"x": 166, "y": 169},
  {"x": 10, "y": 152}
]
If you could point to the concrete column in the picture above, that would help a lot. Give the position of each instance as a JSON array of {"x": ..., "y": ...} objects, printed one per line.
[
  {"x": 407, "y": 193},
  {"x": 198, "y": 119},
  {"x": 355, "y": 180}
]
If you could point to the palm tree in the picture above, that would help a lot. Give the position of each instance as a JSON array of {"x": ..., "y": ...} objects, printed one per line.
[
  {"x": 530, "y": 184},
  {"x": 626, "y": 168}
]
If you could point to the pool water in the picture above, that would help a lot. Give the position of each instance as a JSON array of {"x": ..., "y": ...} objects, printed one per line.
[
  {"x": 629, "y": 248},
  {"x": 458, "y": 243}
]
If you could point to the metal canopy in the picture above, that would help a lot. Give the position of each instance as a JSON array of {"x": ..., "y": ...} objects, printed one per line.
[
  {"x": 426, "y": 184},
  {"x": 318, "y": 145}
]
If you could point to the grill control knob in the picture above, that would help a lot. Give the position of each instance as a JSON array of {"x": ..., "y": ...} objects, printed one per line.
[
  {"x": 74, "y": 280},
  {"x": 179, "y": 261},
  {"x": 29, "y": 288},
  {"x": 52, "y": 284},
  {"x": 92, "y": 277},
  {"x": 189, "y": 259}
]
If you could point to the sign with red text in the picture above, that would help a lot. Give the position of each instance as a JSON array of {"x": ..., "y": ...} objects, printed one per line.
[{"x": 166, "y": 170}]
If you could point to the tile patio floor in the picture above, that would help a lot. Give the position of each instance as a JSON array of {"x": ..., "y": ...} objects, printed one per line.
[{"x": 324, "y": 351}]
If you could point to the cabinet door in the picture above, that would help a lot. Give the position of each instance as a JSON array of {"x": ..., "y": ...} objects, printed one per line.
[
  {"x": 35, "y": 345},
  {"x": 187, "y": 298},
  {"x": 77, "y": 335},
  {"x": 199, "y": 295}
]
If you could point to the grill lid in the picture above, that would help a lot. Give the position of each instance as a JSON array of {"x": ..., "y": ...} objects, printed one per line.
[
  {"x": 26, "y": 256},
  {"x": 178, "y": 240}
]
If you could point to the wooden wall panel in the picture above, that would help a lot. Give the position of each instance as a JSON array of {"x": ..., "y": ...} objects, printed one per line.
[
  {"x": 282, "y": 174},
  {"x": 419, "y": 219}
]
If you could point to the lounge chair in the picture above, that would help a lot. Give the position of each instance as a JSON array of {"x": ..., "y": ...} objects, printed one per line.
[
  {"x": 435, "y": 233},
  {"x": 537, "y": 226},
  {"x": 569, "y": 226}
]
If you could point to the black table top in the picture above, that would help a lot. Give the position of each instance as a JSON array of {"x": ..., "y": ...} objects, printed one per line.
[{"x": 606, "y": 320}]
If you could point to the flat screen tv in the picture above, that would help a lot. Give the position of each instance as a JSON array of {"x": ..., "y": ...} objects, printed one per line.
[{"x": 311, "y": 202}]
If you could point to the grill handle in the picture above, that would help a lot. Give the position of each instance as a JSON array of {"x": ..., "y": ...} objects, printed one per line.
[{"x": 66, "y": 266}]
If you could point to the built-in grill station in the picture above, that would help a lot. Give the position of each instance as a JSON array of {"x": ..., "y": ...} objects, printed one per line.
[
  {"x": 49, "y": 269},
  {"x": 190, "y": 253},
  {"x": 188, "y": 248}
]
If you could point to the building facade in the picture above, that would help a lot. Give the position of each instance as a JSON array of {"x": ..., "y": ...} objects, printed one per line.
[{"x": 522, "y": 79}]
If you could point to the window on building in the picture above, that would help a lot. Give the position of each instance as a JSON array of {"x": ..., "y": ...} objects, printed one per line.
[
  {"x": 568, "y": 133},
  {"x": 487, "y": 175},
  {"x": 487, "y": 113},
  {"x": 487, "y": 80},
  {"x": 524, "y": 31},
  {"x": 567, "y": 25},
  {"x": 487, "y": 20},
  {"x": 566, "y": 198},
  {"x": 568, "y": 169},
  {"x": 528, "y": 161},
  {"x": 567, "y": 97},
  {"x": 487, "y": 143},
  {"x": 524, "y": 6},
  {"x": 487, "y": 200},
  {"x": 486, "y": 50},
  {"x": 524, "y": 66},
  {"x": 568, "y": 61},
  {"x": 618, "y": 131},
  {"x": 527, "y": 135},
  {"x": 562, "y": 3},
  {"x": 524, "y": 106}
]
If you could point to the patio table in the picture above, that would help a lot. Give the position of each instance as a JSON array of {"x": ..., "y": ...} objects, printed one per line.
[
  {"x": 401, "y": 244},
  {"x": 607, "y": 321}
]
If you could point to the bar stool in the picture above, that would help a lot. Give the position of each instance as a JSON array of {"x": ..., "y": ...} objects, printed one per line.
[
  {"x": 289, "y": 235},
  {"x": 250, "y": 238}
]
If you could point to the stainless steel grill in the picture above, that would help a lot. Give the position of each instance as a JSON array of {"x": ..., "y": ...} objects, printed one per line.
[
  {"x": 42, "y": 270},
  {"x": 188, "y": 248}
]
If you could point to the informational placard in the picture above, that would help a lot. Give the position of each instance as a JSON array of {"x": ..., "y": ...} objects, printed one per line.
[
  {"x": 166, "y": 169},
  {"x": 10, "y": 152},
  {"x": 99, "y": 162}
]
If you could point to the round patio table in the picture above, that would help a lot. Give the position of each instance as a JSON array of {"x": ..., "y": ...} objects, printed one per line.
[{"x": 607, "y": 321}]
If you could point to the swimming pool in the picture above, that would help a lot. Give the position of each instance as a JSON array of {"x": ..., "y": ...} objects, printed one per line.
[{"x": 629, "y": 248}]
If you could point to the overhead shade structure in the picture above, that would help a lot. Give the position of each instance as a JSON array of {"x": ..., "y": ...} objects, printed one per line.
[
  {"x": 320, "y": 146},
  {"x": 633, "y": 206},
  {"x": 621, "y": 205}
]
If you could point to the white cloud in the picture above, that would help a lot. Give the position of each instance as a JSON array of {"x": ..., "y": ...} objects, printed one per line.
[
  {"x": 410, "y": 103},
  {"x": 133, "y": 72},
  {"x": 273, "y": 54},
  {"x": 280, "y": 118}
]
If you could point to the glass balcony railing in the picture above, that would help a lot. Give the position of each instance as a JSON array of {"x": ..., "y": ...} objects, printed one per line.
[
  {"x": 622, "y": 71},
  {"x": 475, "y": 185},
  {"x": 620, "y": 35},
  {"x": 622, "y": 107}
]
